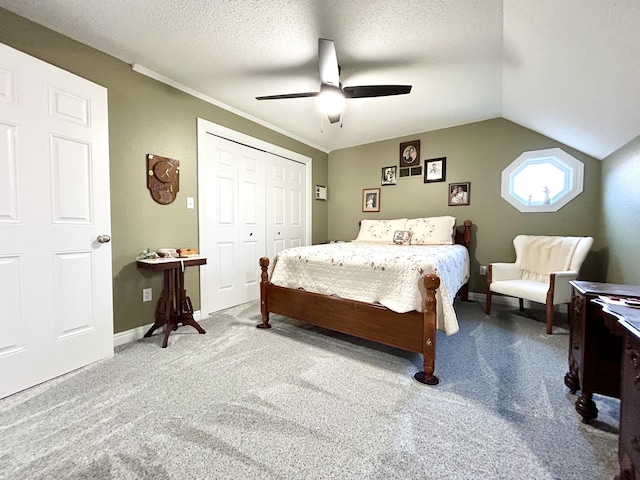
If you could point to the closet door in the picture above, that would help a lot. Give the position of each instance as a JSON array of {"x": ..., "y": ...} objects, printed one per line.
[
  {"x": 242, "y": 181},
  {"x": 232, "y": 223},
  {"x": 286, "y": 204}
]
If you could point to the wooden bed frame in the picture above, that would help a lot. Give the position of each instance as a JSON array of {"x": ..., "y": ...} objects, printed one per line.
[{"x": 412, "y": 331}]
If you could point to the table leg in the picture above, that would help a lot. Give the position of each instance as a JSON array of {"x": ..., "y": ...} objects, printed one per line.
[
  {"x": 184, "y": 307},
  {"x": 586, "y": 407},
  {"x": 160, "y": 316},
  {"x": 165, "y": 311},
  {"x": 572, "y": 381}
]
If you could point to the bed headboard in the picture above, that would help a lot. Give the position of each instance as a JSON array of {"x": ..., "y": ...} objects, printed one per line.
[{"x": 463, "y": 234}]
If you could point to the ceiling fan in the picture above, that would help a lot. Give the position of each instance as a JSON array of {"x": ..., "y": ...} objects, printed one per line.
[{"x": 331, "y": 90}]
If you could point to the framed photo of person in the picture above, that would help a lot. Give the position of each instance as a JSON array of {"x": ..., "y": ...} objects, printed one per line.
[
  {"x": 459, "y": 194},
  {"x": 435, "y": 170},
  {"x": 410, "y": 154},
  {"x": 371, "y": 200},
  {"x": 389, "y": 175}
]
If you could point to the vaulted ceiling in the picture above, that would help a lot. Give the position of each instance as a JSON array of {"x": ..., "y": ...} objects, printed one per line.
[{"x": 569, "y": 69}]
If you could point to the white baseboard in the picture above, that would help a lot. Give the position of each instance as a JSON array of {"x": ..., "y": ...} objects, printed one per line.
[{"x": 137, "y": 333}]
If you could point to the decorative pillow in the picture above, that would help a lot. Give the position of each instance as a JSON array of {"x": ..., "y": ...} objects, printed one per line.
[
  {"x": 379, "y": 230},
  {"x": 402, "y": 237},
  {"x": 431, "y": 230}
]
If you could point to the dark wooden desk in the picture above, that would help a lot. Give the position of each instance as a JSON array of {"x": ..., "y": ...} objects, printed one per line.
[
  {"x": 174, "y": 306},
  {"x": 595, "y": 344},
  {"x": 629, "y": 443}
]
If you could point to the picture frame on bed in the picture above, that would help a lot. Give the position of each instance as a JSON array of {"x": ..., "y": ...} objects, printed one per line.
[
  {"x": 435, "y": 170},
  {"x": 371, "y": 200},
  {"x": 389, "y": 175},
  {"x": 459, "y": 194}
]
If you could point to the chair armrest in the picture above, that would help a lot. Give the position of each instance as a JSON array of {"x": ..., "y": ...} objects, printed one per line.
[
  {"x": 504, "y": 271},
  {"x": 560, "y": 285}
]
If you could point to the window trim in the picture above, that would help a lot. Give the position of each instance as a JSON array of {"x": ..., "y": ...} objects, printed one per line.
[{"x": 562, "y": 160}]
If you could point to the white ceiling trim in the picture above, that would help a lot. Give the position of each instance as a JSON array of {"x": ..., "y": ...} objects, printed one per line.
[{"x": 194, "y": 93}]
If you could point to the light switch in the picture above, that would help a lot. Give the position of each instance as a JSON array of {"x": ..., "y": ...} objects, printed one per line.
[{"x": 190, "y": 202}]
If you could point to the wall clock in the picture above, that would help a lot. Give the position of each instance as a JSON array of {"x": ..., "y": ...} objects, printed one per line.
[{"x": 163, "y": 178}]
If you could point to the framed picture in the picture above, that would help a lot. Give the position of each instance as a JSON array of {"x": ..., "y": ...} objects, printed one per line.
[
  {"x": 410, "y": 153},
  {"x": 459, "y": 193},
  {"x": 389, "y": 175},
  {"x": 371, "y": 200},
  {"x": 435, "y": 170}
]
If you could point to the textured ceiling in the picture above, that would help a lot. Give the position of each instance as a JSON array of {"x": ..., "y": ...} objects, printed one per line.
[{"x": 568, "y": 69}]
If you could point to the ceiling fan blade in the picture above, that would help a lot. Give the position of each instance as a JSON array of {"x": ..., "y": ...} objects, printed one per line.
[
  {"x": 288, "y": 95},
  {"x": 328, "y": 62},
  {"x": 364, "y": 91}
]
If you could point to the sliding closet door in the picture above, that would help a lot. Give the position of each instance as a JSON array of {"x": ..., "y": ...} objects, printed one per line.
[
  {"x": 232, "y": 223},
  {"x": 286, "y": 204}
]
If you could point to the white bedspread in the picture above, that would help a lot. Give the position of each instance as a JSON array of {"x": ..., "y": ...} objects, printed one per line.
[{"x": 390, "y": 275}]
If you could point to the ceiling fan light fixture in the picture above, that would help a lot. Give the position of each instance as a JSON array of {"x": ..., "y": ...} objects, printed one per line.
[{"x": 331, "y": 100}]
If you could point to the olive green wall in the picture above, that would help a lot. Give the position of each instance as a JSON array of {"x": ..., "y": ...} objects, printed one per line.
[
  {"x": 620, "y": 221},
  {"x": 146, "y": 116},
  {"x": 475, "y": 153}
]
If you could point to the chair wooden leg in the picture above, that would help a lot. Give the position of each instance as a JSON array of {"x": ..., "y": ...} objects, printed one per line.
[
  {"x": 549, "y": 303},
  {"x": 487, "y": 307},
  {"x": 549, "y": 319}
]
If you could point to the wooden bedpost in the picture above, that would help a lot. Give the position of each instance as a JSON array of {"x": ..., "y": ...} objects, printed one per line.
[
  {"x": 431, "y": 283},
  {"x": 264, "y": 281},
  {"x": 464, "y": 238},
  {"x": 467, "y": 233}
]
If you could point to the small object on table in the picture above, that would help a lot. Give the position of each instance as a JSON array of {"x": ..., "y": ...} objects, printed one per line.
[
  {"x": 187, "y": 252},
  {"x": 167, "y": 252},
  {"x": 174, "y": 306}
]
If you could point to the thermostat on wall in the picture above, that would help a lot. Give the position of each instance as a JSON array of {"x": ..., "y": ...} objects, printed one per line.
[{"x": 321, "y": 192}]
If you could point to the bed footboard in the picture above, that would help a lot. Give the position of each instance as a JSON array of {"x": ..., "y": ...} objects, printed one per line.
[{"x": 411, "y": 331}]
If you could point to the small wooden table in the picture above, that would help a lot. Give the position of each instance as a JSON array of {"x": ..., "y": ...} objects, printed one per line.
[{"x": 174, "y": 306}]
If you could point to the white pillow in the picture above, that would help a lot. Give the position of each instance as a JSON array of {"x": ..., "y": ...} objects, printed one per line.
[
  {"x": 431, "y": 230},
  {"x": 379, "y": 230}
]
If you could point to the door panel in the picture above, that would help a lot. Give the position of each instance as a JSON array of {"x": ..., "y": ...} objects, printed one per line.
[
  {"x": 286, "y": 213},
  {"x": 235, "y": 235},
  {"x": 12, "y": 338},
  {"x": 8, "y": 181},
  {"x": 54, "y": 202},
  {"x": 71, "y": 180}
]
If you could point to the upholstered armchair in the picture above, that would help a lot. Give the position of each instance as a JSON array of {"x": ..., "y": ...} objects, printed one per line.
[{"x": 541, "y": 273}]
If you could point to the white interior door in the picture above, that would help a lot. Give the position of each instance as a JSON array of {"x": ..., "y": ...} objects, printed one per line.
[
  {"x": 233, "y": 230},
  {"x": 56, "y": 310},
  {"x": 286, "y": 204}
]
